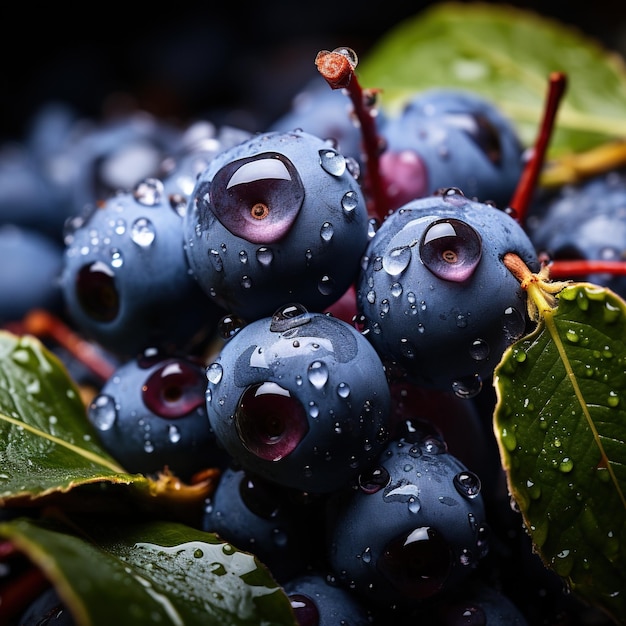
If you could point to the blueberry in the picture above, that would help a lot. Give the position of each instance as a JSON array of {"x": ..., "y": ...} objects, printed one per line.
[
  {"x": 125, "y": 277},
  {"x": 318, "y": 602},
  {"x": 47, "y": 610},
  {"x": 435, "y": 297},
  {"x": 268, "y": 220},
  {"x": 300, "y": 399},
  {"x": 584, "y": 222},
  {"x": 451, "y": 138},
  {"x": 151, "y": 415},
  {"x": 412, "y": 529},
  {"x": 31, "y": 266},
  {"x": 279, "y": 525}
]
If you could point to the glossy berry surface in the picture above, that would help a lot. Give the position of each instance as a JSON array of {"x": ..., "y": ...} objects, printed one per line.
[
  {"x": 300, "y": 399},
  {"x": 450, "y": 138},
  {"x": 151, "y": 414},
  {"x": 585, "y": 222},
  {"x": 413, "y": 528},
  {"x": 125, "y": 277},
  {"x": 435, "y": 296},
  {"x": 318, "y": 602},
  {"x": 277, "y": 524},
  {"x": 267, "y": 221}
]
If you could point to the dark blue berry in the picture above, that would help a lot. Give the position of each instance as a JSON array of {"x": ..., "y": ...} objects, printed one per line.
[
  {"x": 435, "y": 297},
  {"x": 300, "y": 399},
  {"x": 268, "y": 220}
]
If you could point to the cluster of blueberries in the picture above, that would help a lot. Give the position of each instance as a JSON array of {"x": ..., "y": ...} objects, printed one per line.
[{"x": 334, "y": 365}]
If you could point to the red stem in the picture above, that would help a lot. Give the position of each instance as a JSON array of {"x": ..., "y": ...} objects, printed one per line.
[
  {"x": 566, "y": 269},
  {"x": 530, "y": 175},
  {"x": 339, "y": 73},
  {"x": 41, "y": 323}
]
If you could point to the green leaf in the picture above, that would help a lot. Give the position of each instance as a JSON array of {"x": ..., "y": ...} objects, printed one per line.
[
  {"x": 151, "y": 573},
  {"x": 560, "y": 422},
  {"x": 48, "y": 447},
  {"x": 506, "y": 54}
]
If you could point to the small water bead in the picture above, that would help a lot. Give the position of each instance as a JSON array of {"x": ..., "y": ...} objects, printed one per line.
[
  {"x": 173, "y": 433},
  {"x": 317, "y": 373},
  {"x": 102, "y": 412},
  {"x": 513, "y": 324},
  {"x": 149, "y": 192},
  {"x": 326, "y": 285},
  {"x": 461, "y": 321},
  {"x": 349, "y": 54},
  {"x": 479, "y": 350},
  {"x": 214, "y": 373},
  {"x": 142, "y": 232},
  {"x": 246, "y": 282},
  {"x": 613, "y": 399},
  {"x": 243, "y": 256},
  {"x": 327, "y": 231},
  {"x": 396, "y": 290},
  {"x": 229, "y": 326},
  {"x": 349, "y": 202},
  {"x": 332, "y": 162},
  {"x": 566, "y": 465},
  {"x": 343, "y": 390},
  {"x": 397, "y": 260},
  {"x": 467, "y": 484},
  {"x": 264, "y": 256},
  {"x": 467, "y": 387},
  {"x": 314, "y": 410},
  {"x": 407, "y": 348},
  {"x": 117, "y": 258},
  {"x": 572, "y": 336}
]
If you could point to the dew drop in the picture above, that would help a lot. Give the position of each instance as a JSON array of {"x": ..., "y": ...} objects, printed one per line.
[
  {"x": 216, "y": 260},
  {"x": 142, "y": 232},
  {"x": 467, "y": 484},
  {"x": 326, "y": 285},
  {"x": 102, "y": 412},
  {"x": 343, "y": 390},
  {"x": 479, "y": 350},
  {"x": 117, "y": 258},
  {"x": 613, "y": 399},
  {"x": 317, "y": 374},
  {"x": 467, "y": 387},
  {"x": 264, "y": 256},
  {"x": 173, "y": 433},
  {"x": 149, "y": 192},
  {"x": 332, "y": 162},
  {"x": 214, "y": 373},
  {"x": 513, "y": 324},
  {"x": 349, "y": 202},
  {"x": 566, "y": 465},
  {"x": 327, "y": 231},
  {"x": 397, "y": 260},
  {"x": 396, "y": 290}
]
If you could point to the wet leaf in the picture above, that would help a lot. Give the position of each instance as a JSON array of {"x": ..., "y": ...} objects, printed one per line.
[
  {"x": 506, "y": 54},
  {"x": 560, "y": 422},
  {"x": 151, "y": 573},
  {"x": 48, "y": 447}
]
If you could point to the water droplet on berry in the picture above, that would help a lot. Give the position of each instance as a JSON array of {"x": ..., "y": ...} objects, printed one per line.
[
  {"x": 264, "y": 256},
  {"x": 513, "y": 324},
  {"x": 467, "y": 387},
  {"x": 349, "y": 202},
  {"x": 327, "y": 231},
  {"x": 289, "y": 317},
  {"x": 243, "y": 256},
  {"x": 373, "y": 480},
  {"x": 479, "y": 350},
  {"x": 229, "y": 326},
  {"x": 149, "y": 192},
  {"x": 326, "y": 285},
  {"x": 332, "y": 162},
  {"x": 102, "y": 412},
  {"x": 142, "y": 232},
  {"x": 173, "y": 433},
  {"x": 214, "y": 373},
  {"x": 467, "y": 484},
  {"x": 117, "y": 258},
  {"x": 343, "y": 390},
  {"x": 396, "y": 260},
  {"x": 317, "y": 374}
]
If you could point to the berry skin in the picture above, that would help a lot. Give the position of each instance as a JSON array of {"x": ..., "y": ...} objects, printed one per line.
[
  {"x": 151, "y": 414},
  {"x": 126, "y": 281},
  {"x": 317, "y": 602},
  {"x": 435, "y": 297},
  {"x": 300, "y": 399},
  {"x": 278, "y": 525},
  {"x": 268, "y": 221},
  {"x": 47, "y": 610},
  {"x": 31, "y": 264},
  {"x": 585, "y": 222},
  {"x": 412, "y": 529},
  {"x": 450, "y": 138}
]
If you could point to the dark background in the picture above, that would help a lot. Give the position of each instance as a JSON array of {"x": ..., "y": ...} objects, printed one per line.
[{"x": 229, "y": 62}]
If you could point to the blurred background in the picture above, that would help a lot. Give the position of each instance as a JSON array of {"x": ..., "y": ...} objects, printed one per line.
[{"x": 233, "y": 63}]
